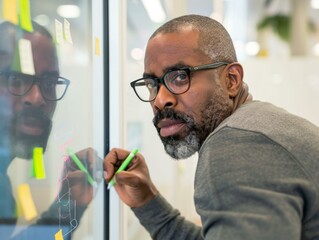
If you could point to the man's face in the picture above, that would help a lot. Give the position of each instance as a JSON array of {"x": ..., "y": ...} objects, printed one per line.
[
  {"x": 184, "y": 121},
  {"x": 30, "y": 115}
]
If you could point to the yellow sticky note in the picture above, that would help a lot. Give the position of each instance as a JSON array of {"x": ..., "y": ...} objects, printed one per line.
[
  {"x": 10, "y": 11},
  {"x": 58, "y": 235},
  {"x": 38, "y": 164},
  {"x": 58, "y": 32},
  {"x": 26, "y": 201},
  {"x": 18, "y": 209},
  {"x": 24, "y": 14},
  {"x": 67, "y": 31},
  {"x": 97, "y": 46},
  {"x": 26, "y": 57}
]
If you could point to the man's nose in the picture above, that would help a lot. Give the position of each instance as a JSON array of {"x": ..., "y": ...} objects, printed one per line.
[
  {"x": 164, "y": 99},
  {"x": 34, "y": 97}
]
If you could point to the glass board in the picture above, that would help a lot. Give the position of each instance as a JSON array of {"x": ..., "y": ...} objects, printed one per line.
[{"x": 53, "y": 130}]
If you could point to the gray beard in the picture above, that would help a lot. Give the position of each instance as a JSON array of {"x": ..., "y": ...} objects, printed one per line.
[
  {"x": 22, "y": 145},
  {"x": 184, "y": 148},
  {"x": 217, "y": 109},
  {"x": 25, "y": 151}
]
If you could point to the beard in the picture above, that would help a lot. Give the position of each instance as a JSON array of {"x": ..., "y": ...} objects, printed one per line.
[
  {"x": 22, "y": 144},
  {"x": 214, "y": 112}
]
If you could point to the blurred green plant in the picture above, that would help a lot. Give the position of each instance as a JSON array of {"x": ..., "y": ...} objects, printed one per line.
[{"x": 280, "y": 25}]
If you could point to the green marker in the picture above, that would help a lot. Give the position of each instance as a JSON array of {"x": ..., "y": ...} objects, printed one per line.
[
  {"x": 124, "y": 165},
  {"x": 80, "y": 165}
]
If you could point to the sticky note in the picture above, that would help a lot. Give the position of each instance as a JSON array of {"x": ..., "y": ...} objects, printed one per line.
[
  {"x": 24, "y": 14},
  {"x": 10, "y": 11},
  {"x": 26, "y": 57},
  {"x": 32, "y": 173},
  {"x": 58, "y": 32},
  {"x": 16, "y": 60},
  {"x": 18, "y": 209},
  {"x": 38, "y": 165},
  {"x": 58, "y": 235},
  {"x": 27, "y": 204},
  {"x": 97, "y": 46},
  {"x": 67, "y": 31}
]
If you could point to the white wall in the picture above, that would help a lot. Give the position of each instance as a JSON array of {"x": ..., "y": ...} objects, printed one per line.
[{"x": 291, "y": 83}]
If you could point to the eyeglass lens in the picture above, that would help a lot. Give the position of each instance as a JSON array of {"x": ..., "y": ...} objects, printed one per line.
[
  {"x": 176, "y": 81},
  {"x": 52, "y": 87}
]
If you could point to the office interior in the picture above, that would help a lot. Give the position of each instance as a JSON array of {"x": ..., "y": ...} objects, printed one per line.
[{"x": 277, "y": 42}]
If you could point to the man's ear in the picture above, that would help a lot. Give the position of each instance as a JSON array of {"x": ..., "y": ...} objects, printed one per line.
[{"x": 234, "y": 78}]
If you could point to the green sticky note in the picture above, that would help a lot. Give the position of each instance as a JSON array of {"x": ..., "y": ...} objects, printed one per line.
[
  {"x": 16, "y": 60},
  {"x": 67, "y": 31},
  {"x": 38, "y": 164},
  {"x": 59, "y": 39},
  {"x": 32, "y": 173},
  {"x": 24, "y": 15}
]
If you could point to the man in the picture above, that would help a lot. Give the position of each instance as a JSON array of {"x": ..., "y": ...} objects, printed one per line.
[
  {"x": 28, "y": 102},
  {"x": 257, "y": 175}
]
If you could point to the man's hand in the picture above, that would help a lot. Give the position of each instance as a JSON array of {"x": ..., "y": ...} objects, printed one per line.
[
  {"x": 134, "y": 186},
  {"x": 75, "y": 182}
]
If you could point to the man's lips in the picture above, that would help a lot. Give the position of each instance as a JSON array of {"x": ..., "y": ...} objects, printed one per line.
[
  {"x": 170, "y": 127},
  {"x": 31, "y": 126}
]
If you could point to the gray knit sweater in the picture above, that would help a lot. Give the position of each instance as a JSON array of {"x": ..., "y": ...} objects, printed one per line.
[{"x": 257, "y": 178}]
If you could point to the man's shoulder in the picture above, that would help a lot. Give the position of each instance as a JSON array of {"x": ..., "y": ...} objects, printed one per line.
[{"x": 266, "y": 118}]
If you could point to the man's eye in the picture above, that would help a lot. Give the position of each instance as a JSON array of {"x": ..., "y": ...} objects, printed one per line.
[
  {"x": 150, "y": 84},
  {"x": 179, "y": 78},
  {"x": 14, "y": 80},
  {"x": 49, "y": 81},
  {"x": 49, "y": 84}
]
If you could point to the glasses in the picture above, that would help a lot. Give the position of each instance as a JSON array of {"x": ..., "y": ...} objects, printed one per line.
[
  {"x": 52, "y": 88},
  {"x": 177, "y": 81}
]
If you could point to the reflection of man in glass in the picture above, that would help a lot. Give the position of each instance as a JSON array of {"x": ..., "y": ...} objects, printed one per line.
[
  {"x": 32, "y": 98},
  {"x": 28, "y": 102}
]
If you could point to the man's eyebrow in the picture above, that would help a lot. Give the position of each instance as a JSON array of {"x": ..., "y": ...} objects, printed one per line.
[
  {"x": 166, "y": 69},
  {"x": 148, "y": 75}
]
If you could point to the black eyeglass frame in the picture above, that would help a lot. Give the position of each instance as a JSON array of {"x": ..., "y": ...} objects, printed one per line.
[
  {"x": 188, "y": 70},
  {"x": 36, "y": 80}
]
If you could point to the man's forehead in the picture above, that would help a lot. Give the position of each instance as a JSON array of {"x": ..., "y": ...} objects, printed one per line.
[
  {"x": 158, "y": 62},
  {"x": 42, "y": 48},
  {"x": 173, "y": 44},
  {"x": 6, "y": 50},
  {"x": 5, "y": 59},
  {"x": 6, "y": 45}
]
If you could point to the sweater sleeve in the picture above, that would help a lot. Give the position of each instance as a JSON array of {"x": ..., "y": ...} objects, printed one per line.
[{"x": 162, "y": 221}]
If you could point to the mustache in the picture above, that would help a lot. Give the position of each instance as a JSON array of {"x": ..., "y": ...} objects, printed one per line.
[
  {"x": 34, "y": 113},
  {"x": 174, "y": 115}
]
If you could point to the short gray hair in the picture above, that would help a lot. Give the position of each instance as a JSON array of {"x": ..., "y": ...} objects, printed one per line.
[{"x": 214, "y": 40}]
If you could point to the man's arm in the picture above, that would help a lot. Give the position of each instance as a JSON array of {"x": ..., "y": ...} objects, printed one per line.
[
  {"x": 76, "y": 192},
  {"x": 136, "y": 189},
  {"x": 162, "y": 221}
]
